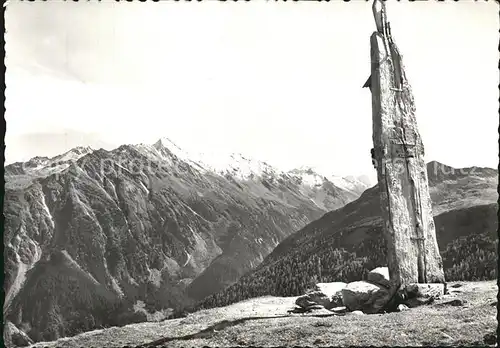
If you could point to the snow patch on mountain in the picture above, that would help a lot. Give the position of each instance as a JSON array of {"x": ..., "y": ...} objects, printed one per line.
[
  {"x": 72, "y": 263},
  {"x": 168, "y": 154},
  {"x": 73, "y": 155},
  {"x": 153, "y": 153},
  {"x": 312, "y": 200},
  {"x": 165, "y": 143},
  {"x": 308, "y": 176},
  {"x": 238, "y": 166},
  {"x": 46, "y": 209},
  {"x": 165, "y": 148},
  {"x": 348, "y": 183},
  {"x": 44, "y": 166},
  {"x": 36, "y": 163},
  {"x": 188, "y": 258},
  {"x": 144, "y": 187},
  {"x": 365, "y": 179}
]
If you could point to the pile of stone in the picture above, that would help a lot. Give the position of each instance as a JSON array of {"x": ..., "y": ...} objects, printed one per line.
[
  {"x": 376, "y": 294},
  {"x": 324, "y": 296}
]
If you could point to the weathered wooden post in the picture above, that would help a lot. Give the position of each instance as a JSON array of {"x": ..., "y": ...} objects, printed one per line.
[{"x": 398, "y": 155}]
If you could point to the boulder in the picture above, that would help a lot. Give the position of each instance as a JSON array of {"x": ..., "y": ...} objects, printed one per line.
[
  {"x": 330, "y": 289},
  {"x": 327, "y": 295},
  {"x": 320, "y": 311},
  {"x": 357, "y": 313},
  {"x": 313, "y": 298},
  {"x": 333, "y": 291},
  {"x": 315, "y": 307},
  {"x": 339, "y": 310},
  {"x": 319, "y": 342},
  {"x": 418, "y": 301},
  {"x": 414, "y": 295},
  {"x": 380, "y": 276},
  {"x": 490, "y": 338},
  {"x": 336, "y": 300},
  {"x": 304, "y": 302},
  {"x": 402, "y": 308},
  {"x": 456, "y": 302},
  {"x": 367, "y": 297},
  {"x": 430, "y": 290},
  {"x": 320, "y": 298}
]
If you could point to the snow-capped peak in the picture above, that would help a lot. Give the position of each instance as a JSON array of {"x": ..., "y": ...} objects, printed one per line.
[
  {"x": 73, "y": 155},
  {"x": 364, "y": 179},
  {"x": 308, "y": 176},
  {"x": 165, "y": 144},
  {"x": 348, "y": 183},
  {"x": 38, "y": 160},
  {"x": 312, "y": 177},
  {"x": 82, "y": 150},
  {"x": 238, "y": 165},
  {"x": 243, "y": 167},
  {"x": 43, "y": 166},
  {"x": 305, "y": 170},
  {"x": 235, "y": 164}
]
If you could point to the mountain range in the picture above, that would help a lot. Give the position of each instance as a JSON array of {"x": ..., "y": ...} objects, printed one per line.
[{"x": 92, "y": 234}]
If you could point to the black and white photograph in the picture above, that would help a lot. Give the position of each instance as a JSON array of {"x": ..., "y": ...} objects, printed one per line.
[{"x": 262, "y": 173}]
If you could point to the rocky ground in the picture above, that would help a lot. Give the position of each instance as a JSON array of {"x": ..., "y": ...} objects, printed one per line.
[{"x": 467, "y": 316}]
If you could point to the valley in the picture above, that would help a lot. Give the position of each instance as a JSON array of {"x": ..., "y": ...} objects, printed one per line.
[
  {"x": 91, "y": 233},
  {"x": 99, "y": 238}
]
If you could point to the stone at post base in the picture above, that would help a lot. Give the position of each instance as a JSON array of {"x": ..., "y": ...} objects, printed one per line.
[
  {"x": 401, "y": 308},
  {"x": 366, "y": 297},
  {"x": 419, "y": 294},
  {"x": 380, "y": 276},
  {"x": 409, "y": 296}
]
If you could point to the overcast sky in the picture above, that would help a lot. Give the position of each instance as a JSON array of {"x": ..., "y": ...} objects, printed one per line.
[{"x": 280, "y": 82}]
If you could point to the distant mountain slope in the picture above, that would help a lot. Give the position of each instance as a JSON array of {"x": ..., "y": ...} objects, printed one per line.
[
  {"x": 59, "y": 298},
  {"x": 344, "y": 244},
  {"x": 144, "y": 223}
]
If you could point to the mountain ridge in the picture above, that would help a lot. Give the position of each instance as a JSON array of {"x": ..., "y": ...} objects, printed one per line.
[
  {"x": 147, "y": 224},
  {"x": 217, "y": 163}
]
